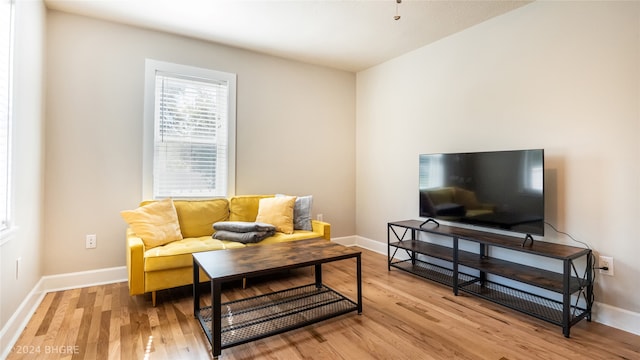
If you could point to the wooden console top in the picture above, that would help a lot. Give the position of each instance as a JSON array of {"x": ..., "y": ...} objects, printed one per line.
[{"x": 544, "y": 248}]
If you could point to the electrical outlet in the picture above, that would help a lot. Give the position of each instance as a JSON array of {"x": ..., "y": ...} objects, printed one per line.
[
  {"x": 606, "y": 261},
  {"x": 319, "y": 217},
  {"x": 91, "y": 242}
]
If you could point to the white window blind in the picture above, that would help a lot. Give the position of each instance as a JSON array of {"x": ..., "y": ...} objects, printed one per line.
[
  {"x": 192, "y": 151},
  {"x": 6, "y": 10}
]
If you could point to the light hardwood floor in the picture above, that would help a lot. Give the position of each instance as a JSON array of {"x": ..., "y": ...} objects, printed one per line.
[{"x": 404, "y": 317}]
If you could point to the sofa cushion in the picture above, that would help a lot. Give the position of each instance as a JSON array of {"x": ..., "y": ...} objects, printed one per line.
[
  {"x": 245, "y": 207},
  {"x": 178, "y": 253},
  {"x": 196, "y": 217},
  {"x": 277, "y": 211},
  {"x": 155, "y": 223},
  {"x": 282, "y": 237}
]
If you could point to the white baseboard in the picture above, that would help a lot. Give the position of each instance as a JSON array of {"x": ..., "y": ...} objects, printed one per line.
[
  {"x": 615, "y": 317},
  {"x": 375, "y": 246},
  {"x": 18, "y": 321},
  {"x": 618, "y": 318},
  {"x": 346, "y": 241},
  {"x": 84, "y": 279}
]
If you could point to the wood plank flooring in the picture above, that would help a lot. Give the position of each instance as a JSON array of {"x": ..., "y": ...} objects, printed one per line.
[{"x": 404, "y": 317}]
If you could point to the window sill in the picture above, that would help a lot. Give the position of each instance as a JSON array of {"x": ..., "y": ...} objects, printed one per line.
[{"x": 7, "y": 235}]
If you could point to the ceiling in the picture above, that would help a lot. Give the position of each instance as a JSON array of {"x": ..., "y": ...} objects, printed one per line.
[{"x": 351, "y": 35}]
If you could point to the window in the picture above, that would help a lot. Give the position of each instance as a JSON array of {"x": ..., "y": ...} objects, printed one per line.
[
  {"x": 6, "y": 47},
  {"x": 189, "y": 132}
]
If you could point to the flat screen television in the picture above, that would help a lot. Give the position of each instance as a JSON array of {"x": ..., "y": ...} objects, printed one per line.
[{"x": 495, "y": 189}]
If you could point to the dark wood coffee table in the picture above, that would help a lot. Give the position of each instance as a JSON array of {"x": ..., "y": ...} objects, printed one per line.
[{"x": 241, "y": 321}]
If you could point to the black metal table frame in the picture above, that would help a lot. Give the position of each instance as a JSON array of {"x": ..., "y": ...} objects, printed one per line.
[{"x": 215, "y": 334}]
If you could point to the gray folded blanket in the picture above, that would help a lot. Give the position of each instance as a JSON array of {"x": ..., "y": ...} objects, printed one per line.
[
  {"x": 243, "y": 237},
  {"x": 242, "y": 231}
]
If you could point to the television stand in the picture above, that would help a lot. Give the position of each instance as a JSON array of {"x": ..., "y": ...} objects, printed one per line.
[{"x": 561, "y": 297}]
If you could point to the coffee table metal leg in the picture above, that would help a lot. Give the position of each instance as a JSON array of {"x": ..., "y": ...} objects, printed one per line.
[
  {"x": 196, "y": 290},
  {"x": 318, "y": 272},
  {"x": 359, "y": 280},
  {"x": 216, "y": 319}
]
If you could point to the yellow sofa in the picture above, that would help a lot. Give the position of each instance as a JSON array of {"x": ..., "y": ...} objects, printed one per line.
[{"x": 171, "y": 265}]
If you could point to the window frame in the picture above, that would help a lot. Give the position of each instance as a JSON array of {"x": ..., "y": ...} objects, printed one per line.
[
  {"x": 6, "y": 214},
  {"x": 149, "y": 125}
]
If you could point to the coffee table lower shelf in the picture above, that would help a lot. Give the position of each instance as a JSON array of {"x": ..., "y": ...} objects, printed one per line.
[{"x": 265, "y": 315}]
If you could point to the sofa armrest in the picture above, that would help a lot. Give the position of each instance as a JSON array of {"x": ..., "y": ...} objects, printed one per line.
[
  {"x": 135, "y": 263},
  {"x": 322, "y": 228}
]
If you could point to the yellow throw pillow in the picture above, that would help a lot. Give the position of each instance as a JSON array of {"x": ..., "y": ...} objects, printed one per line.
[
  {"x": 277, "y": 211},
  {"x": 156, "y": 224}
]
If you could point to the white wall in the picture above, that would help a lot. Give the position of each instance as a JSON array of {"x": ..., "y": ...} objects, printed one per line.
[
  {"x": 28, "y": 164},
  {"x": 295, "y": 132},
  {"x": 564, "y": 76}
]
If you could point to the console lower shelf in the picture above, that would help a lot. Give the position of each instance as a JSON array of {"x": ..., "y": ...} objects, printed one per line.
[
  {"x": 431, "y": 272},
  {"x": 528, "y": 303}
]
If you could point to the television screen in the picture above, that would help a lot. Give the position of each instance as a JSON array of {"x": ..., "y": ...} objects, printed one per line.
[{"x": 497, "y": 189}]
